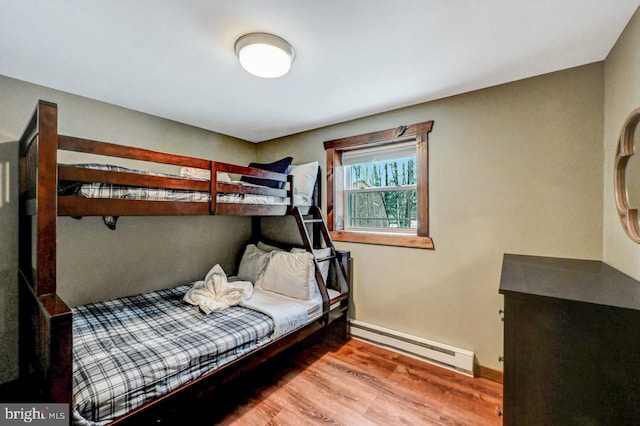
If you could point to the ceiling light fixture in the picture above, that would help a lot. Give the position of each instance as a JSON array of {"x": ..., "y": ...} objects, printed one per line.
[{"x": 264, "y": 55}]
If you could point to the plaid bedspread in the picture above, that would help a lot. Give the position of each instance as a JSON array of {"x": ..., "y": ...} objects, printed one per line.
[
  {"x": 107, "y": 190},
  {"x": 129, "y": 351}
]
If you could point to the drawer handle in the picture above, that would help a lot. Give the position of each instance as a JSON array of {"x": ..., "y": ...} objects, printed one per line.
[{"x": 500, "y": 358}]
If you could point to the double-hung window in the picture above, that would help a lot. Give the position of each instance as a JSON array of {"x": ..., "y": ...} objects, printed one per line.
[
  {"x": 377, "y": 187},
  {"x": 380, "y": 189}
]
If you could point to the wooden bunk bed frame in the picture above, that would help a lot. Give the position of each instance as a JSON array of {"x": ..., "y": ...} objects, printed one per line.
[{"x": 45, "y": 349}]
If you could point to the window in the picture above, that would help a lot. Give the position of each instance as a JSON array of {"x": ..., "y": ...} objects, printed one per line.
[
  {"x": 377, "y": 187},
  {"x": 380, "y": 189}
]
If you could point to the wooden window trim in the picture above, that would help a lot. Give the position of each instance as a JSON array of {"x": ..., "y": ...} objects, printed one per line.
[{"x": 334, "y": 149}]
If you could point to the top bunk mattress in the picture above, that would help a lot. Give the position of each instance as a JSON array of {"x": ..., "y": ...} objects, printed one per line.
[{"x": 113, "y": 191}]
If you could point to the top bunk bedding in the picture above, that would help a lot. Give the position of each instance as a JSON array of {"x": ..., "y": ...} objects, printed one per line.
[
  {"x": 104, "y": 189},
  {"x": 236, "y": 193}
]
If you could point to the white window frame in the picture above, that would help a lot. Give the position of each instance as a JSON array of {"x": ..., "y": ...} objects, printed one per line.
[{"x": 372, "y": 155}]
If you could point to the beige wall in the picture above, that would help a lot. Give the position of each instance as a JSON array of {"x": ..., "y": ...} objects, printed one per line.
[
  {"x": 95, "y": 263},
  {"x": 515, "y": 168},
  {"x": 622, "y": 95}
]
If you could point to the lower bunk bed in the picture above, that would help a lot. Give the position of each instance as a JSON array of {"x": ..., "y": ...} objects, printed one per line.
[{"x": 131, "y": 351}]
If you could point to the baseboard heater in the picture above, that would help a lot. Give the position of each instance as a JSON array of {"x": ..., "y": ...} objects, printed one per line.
[{"x": 449, "y": 357}]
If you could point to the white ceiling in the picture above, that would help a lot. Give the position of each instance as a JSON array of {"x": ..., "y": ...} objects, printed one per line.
[{"x": 176, "y": 59}]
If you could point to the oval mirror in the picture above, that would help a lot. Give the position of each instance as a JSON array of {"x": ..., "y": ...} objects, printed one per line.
[{"x": 627, "y": 176}]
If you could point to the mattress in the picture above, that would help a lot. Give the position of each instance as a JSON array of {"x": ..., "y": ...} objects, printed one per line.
[
  {"x": 129, "y": 351},
  {"x": 111, "y": 191},
  {"x": 315, "y": 307},
  {"x": 287, "y": 312}
]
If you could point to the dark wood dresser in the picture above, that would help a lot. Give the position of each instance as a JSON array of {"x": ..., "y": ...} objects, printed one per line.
[{"x": 571, "y": 343}]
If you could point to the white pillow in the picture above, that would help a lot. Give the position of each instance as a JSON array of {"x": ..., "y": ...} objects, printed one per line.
[
  {"x": 203, "y": 174},
  {"x": 223, "y": 177},
  {"x": 195, "y": 173},
  {"x": 319, "y": 253},
  {"x": 304, "y": 178},
  {"x": 291, "y": 274},
  {"x": 267, "y": 247},
  {"x": 252, "y": 263}
]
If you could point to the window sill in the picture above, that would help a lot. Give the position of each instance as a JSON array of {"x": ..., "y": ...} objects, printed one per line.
[{"x": 383, "y": 239}]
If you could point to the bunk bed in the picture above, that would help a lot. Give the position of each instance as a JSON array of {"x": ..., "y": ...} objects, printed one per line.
[{"x": 48, "y": 326}]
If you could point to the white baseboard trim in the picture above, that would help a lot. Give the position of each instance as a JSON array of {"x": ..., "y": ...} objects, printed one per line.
[{"x": 449, "y": 357}]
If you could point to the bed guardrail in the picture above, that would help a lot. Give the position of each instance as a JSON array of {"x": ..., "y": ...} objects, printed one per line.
[{"x": 78, "y": 206}]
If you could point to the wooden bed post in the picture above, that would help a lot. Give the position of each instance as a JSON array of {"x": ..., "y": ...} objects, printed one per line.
[
  {"x": 38, "y": 197},
  {"x": 47, "y": 197},
  {"x": 213, "y": 167},
  {"x": 45, "y": 320},
  {"x": 256, "y": 228},
  {"x": 317, "y": 199}
]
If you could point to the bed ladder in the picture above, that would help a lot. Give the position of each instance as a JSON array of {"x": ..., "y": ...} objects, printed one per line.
[{"x": 318, "y": 223}]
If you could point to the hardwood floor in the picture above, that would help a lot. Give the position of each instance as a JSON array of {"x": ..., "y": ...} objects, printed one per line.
[
  {"x": 327, "y": 381},
  {"x": 353, "y": 383}
]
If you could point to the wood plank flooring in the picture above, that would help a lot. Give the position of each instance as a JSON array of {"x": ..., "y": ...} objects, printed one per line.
[
  {"x": 327, "y": 381},
  {"x": 352, "y": 383}
]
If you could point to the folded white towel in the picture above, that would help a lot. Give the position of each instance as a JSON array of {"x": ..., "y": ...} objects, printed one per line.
[{"x": 216, "y": 292}]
